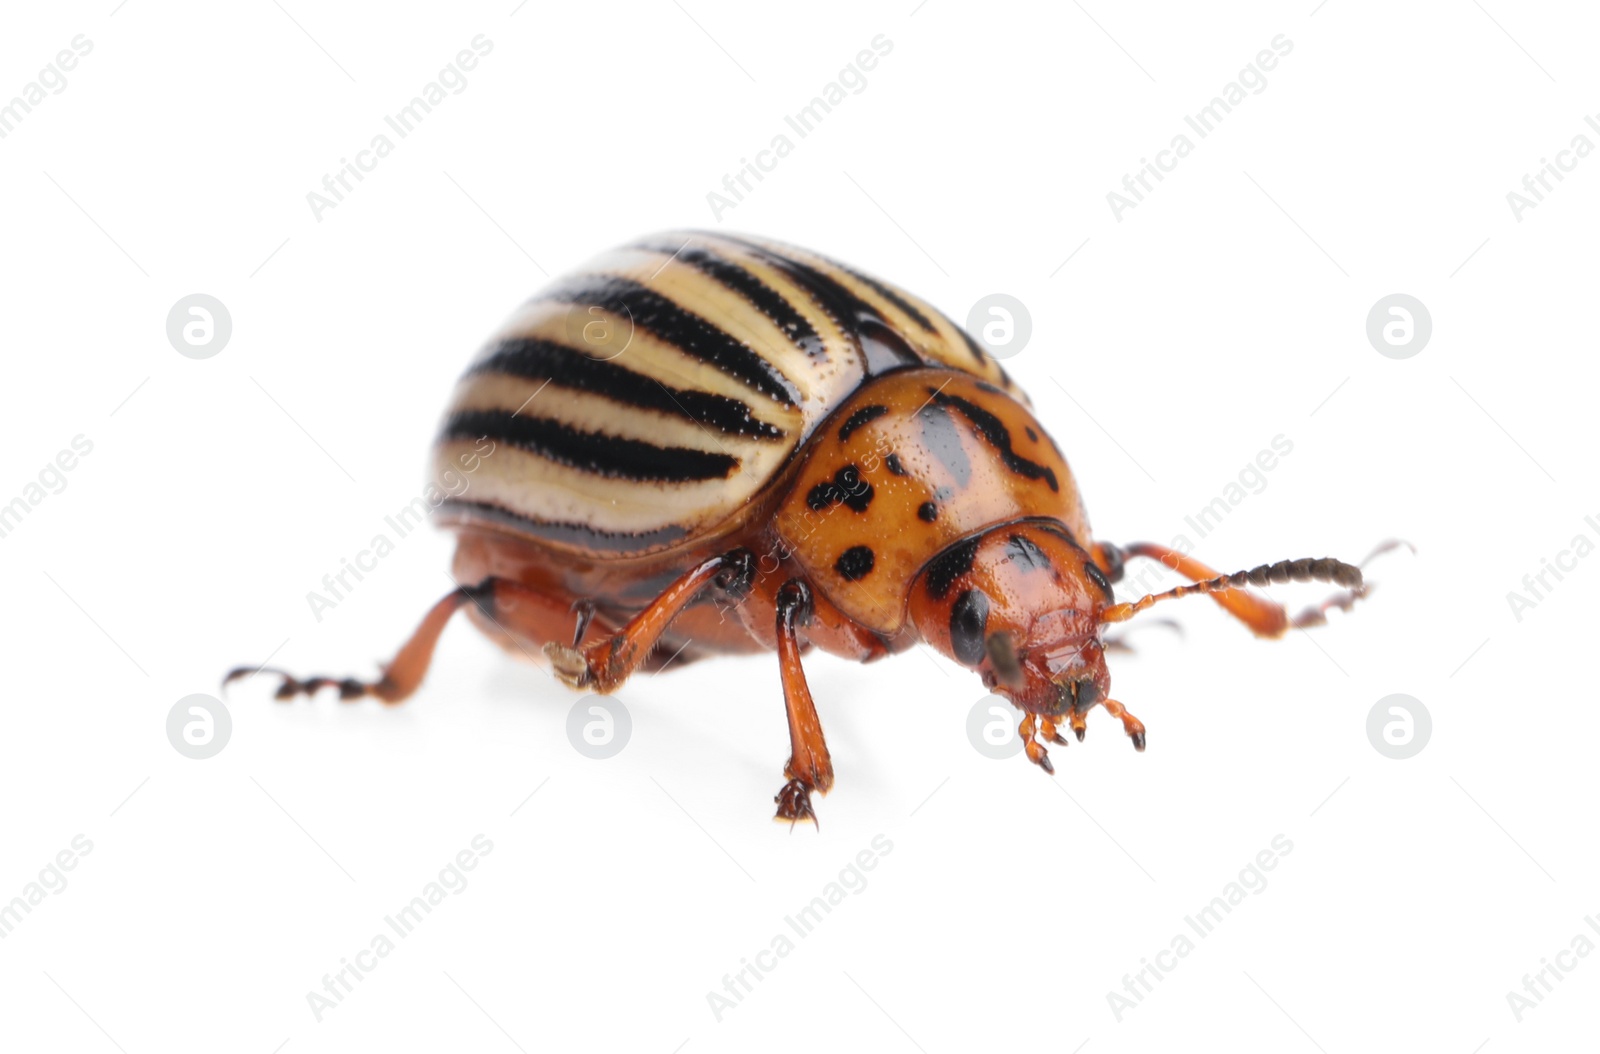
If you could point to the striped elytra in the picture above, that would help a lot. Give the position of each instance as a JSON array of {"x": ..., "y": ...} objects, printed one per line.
[
  {"x": 701, "y": 443},
  {"x": 650, "y": 396}
]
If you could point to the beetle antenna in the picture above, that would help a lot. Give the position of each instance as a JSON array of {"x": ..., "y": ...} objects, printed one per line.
[{"x": 1305, "y": 569}]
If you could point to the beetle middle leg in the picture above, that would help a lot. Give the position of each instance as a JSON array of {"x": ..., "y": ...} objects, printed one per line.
[
  {"x": 809, "y": 768},
  {"x": 604, "y": 664}
]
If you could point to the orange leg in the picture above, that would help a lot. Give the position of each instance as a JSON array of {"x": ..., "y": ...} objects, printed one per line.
[
  {"x": 1264, "y": 618},
  {"x": 809, "y": 768},
  {"x": 605, "y": 664},
  {"x": 1130, "y": 724},
  {"x": 405, "y": 672},
  {"x": 1032, "y": 730}
]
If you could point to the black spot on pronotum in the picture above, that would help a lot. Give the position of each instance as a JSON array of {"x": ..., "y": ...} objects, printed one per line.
[
  {"x": 969, "y": 622},
  {"x": 892, "y": 463},
  {"x": 1098, "y": 577},
  {"x": 997, "y": 435},
  {"x": 847, "y": 487},
  {"x": 944, "y": 569},
  {"x": 927, "y": 512},
  {"x": 860, "y": 417},
  {"x": 857, "y": 491},
  {"x": 1023, "y": 552},
  {"x": 855, "y": 563}
]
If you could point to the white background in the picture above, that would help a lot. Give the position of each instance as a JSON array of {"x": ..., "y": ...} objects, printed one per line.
[{"x": 1228, "y": 308}]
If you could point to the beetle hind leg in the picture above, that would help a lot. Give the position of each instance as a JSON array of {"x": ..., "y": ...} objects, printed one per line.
[
  {"x": 400, "y": 677},
  {"x": 495, "y": 598}
]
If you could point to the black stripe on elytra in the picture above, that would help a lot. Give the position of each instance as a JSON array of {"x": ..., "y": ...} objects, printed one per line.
[
  {"x": 577, "y": 534},
  {"x": 882, "y": 349},
  {"x": 892, "y": 295},
  {"x": 610, "y": 456},
  {"x": 535, "y": 359},
  {"x": 761, "y": 296},
  {"x": 943, "y": 570},
  {"x": 859, "y": 418},
  {"x": 942, "y": 439},
  {"x": 855, "y": 563},
  {"x": 678, "y": 326},
  {"x": 969, "y": 622},
  {"x": 998, "y": 436},
  {"x": 973, "y": 348},
  {"x": 847, "y": 487}
]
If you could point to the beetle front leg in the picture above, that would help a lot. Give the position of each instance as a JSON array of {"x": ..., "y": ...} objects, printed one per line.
[
  {"x": 605, "y": 664},
  {"x": 809, "y": 768}
]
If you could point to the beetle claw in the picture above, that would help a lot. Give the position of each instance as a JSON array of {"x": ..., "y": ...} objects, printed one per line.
[
  {"x": 794, "y": 804},
  {"x": 1035, "y": 749}
]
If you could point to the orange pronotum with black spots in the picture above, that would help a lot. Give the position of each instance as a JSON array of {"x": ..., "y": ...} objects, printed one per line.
[{"x": 745, "y": 446}]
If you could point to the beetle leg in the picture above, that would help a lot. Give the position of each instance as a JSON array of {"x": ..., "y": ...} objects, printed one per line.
[
  {"x": 605, "y": 664},
  {"x": 1047, "y": 729},
  {"x": 404, "y": 673},
  {"x": 1130, "y": 724},
  {"x": 809, "y": 768},
  {"x": 1036, "y": 751}
]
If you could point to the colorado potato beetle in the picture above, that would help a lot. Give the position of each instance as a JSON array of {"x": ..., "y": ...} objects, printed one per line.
[{"x": 702, "y": 443}]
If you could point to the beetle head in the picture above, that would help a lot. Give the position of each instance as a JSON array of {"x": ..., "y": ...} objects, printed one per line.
[{"x": 1021, "y": 605}]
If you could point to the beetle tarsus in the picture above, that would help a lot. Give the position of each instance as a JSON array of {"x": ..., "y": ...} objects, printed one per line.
[
  {"x": 1035, "y": 749},
  {"x": 794, "y": 804},
  {"x": 1130, "y": 724},
  {"x": 568, "y": 664},
  {"x": 290, "y": 686}
]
